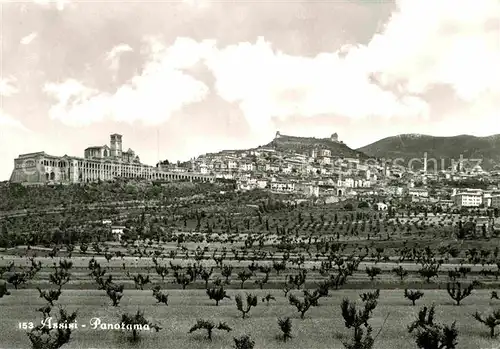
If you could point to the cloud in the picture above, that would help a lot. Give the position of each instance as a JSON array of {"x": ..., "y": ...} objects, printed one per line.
[
  {"x": 151, "y": 97},
  {"x": 113, "y": 56},
  {"x": 456, "y": 43},
  {"x": 424, "y": 43},
  {"x": 7, "y": 121},
  {"x": 268, "y": 83},
  {"x": 29, "y": 38},
  {"x": 6, "y": 87},
  {"x": 77, "y": 104}
]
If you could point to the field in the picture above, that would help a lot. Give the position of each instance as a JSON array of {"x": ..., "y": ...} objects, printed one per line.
[
  {"x": 213, "y": 240},
  {"x": 322, "y": 327}
]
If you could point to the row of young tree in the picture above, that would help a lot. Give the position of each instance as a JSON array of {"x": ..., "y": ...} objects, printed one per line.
[
  {"x": 332, "y": 260},
  {"x": 158, "y": 218},
  {"x": 338, "y": 276}
]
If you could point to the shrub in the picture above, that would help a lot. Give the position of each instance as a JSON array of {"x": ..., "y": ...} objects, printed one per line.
[
  {"x": 430, "y": 335},
  {"x": 217, "y": 294},
  {"x": 279, "y": 266},
  {"x": 162, "y": 271},
  {"x": 492, "y": 320},
  {"x": 400, "y": 272},
  {"x": 114, "y": 292},
  {"x": 429, "y": 270},
  {"x": 131, "y": 322},
  {"x": 244, "y": 275},
  {"x": 286, "y": 328},
  {"x": 372, "y": 272},
  {"x": 205, "y": 275},
  {"x": 139, "y": 280},
  {"x": 43, "y": 337},
  {"x": 17, "y": 279},
  {"x": 268, "y": 298},
  {"x": 299, "y": 279},
  {"x": 457, "y": 293},
  {"x": 50, "y": 296},
  {"x": 209, "y": 326},
  {"x": 3, "y": 290},
  {"x": 226, "y": 272},
  {"x": 302, "y": 305},
  {"x": 413, "y": 296},
  {"x": 182, "y": 279},
  {"x": 261, "y": 282},
  {"x": 357, "y": 319},
  {"x": 370, "y": 296},
  {"x": 251, "y": 301},
  {"x": 286, "y": 288},
  {"x": 243, "y": 342},
  {"x": 160, "y": 296},
  {"x": 60, "y": 276}
]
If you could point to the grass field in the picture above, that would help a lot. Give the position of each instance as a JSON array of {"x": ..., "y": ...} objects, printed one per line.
[{"x": 322, "y": 327}]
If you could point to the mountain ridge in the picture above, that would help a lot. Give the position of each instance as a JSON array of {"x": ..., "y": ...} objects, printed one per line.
[{"x": 411, "y": 145}]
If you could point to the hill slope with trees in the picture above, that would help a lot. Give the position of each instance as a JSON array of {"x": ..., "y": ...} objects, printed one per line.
[{"x": 410, "y": 146}]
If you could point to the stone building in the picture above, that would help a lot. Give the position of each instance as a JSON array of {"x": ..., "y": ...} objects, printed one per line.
[{"x": 99, "y": 163}]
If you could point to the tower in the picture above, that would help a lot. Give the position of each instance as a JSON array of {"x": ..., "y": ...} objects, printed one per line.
[
  {"x": 425, "y": 163},
  {"x": 116, "y": 145},
  {"x": 278, "y": 134}
]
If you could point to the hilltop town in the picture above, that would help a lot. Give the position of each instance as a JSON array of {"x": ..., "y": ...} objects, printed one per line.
[
  {"x": 324, "y": 169},
  {"x": 316, "y": 170}
]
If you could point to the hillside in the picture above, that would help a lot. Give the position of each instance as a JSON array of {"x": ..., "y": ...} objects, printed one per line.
[
  {"x": 307, "y": 144},
  {"x": 408, "y": 146}
]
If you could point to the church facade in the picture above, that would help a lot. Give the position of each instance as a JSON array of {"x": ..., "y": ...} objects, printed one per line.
[{"x": 99, "y": 163}]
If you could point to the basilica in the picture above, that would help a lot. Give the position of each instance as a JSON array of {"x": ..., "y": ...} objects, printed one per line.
[{"x": 99, "y": 163}]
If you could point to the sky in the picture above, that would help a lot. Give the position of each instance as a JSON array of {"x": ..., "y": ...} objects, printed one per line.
[{"x": 182, "y": 78}]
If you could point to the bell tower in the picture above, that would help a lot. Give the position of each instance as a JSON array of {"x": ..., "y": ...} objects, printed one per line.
[{"x": 116, "y": 145}]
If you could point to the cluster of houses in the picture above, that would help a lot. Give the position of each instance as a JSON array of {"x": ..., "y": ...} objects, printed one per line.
[
  {"x": 476, "y": 198},
  {"x": 309, "y": 173},
  {"x": 318, "y": 173}
]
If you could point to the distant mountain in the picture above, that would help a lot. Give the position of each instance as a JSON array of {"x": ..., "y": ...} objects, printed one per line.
[
  {"x": 289, "y": 144},
  {"x": 408, "y": 146}
]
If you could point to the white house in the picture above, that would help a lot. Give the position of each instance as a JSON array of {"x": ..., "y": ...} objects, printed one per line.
[
  {"x": 326, "y": 160},
  {"x": 282, "y": 186},
  {"x": 418, "y": 192},
  {"x": 261, "y": 184},
  {"x": 247, "y": 166},
  {"x": 325, "y": 153},
  {"x": 117, "y": 231},
  {"x": 232, "y": 165},
  {"x": 203, "y": 168},
  {"x": 468, "y": 199}
]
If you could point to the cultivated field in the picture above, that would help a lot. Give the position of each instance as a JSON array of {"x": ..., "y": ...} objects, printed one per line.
[
  {"x": 322, "y": 327},
  {"x": 185, "y": 245}
]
